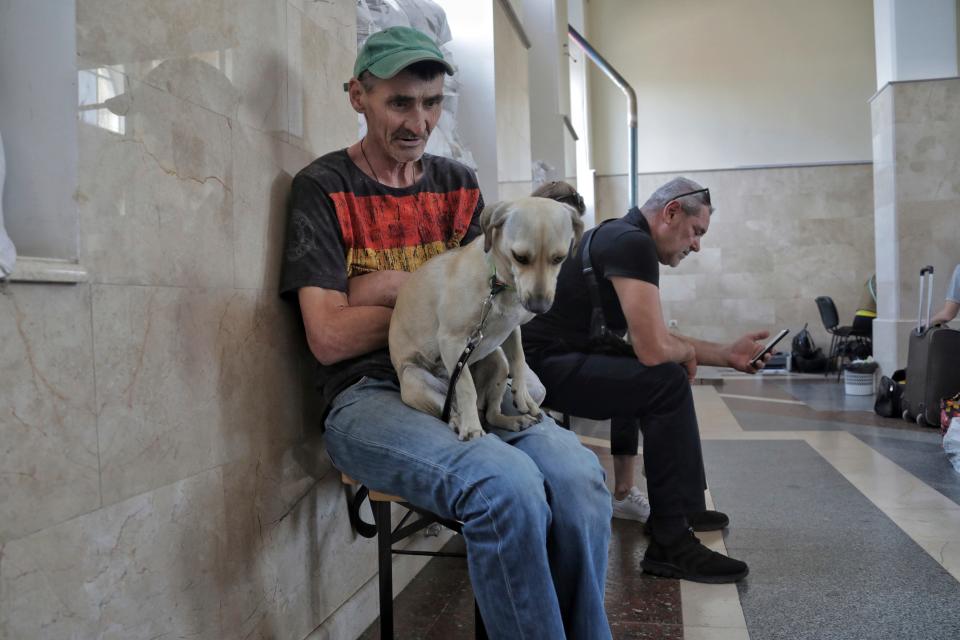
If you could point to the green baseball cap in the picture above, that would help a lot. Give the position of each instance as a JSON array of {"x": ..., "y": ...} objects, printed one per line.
[{"x": 386, "y": 53}]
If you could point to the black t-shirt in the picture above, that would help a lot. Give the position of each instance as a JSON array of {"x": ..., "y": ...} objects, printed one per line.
[
  {"x": 341, "y": 223},
  {"x": 621, "y": 247}
]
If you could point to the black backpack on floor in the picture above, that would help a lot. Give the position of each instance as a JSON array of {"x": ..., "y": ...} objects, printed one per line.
[
  {"x": 805, "y": 355},
  {"x": 889, "y": 403}
]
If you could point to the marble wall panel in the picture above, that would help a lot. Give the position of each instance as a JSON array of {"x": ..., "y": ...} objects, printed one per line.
[
  {"x": 264, "y": 169},
  {"x": 189, "y": 379},
  {"x": 929, "y": 235},
  {"x": 143, "y": 568},
  {"x": 927, "y": 161},
  {"x": 738, "y": 260},
  {"x": 156, "y": 203},
  {"x": 322, "y": 40},
  {"x": 228, "y": 56},
  {"x": 292, "y": 558},
  {"x": 48, "y": 425},
  {"x": 676, "y": 287},
  {"x": 707, "y": 260},
  {"x": 175, "y": 379},
  {"x": 934, "y": 101}
]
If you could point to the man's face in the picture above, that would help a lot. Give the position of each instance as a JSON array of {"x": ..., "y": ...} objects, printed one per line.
[
  {"x": 401, "y": 112},
  {"x": 681, "y": 233}
]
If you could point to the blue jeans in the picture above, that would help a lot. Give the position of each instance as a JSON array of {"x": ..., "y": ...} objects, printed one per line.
[{"x": 534, "y": 506}]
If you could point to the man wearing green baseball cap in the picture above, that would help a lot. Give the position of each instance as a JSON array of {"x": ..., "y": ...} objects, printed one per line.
[{"x": 534, "y": 506}]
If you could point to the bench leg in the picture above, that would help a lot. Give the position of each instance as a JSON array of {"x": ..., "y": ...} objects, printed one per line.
[{"x": 381, "y": 512}]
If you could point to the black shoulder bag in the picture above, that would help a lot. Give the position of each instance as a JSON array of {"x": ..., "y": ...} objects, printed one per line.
[{"x": 601, "y": 339}]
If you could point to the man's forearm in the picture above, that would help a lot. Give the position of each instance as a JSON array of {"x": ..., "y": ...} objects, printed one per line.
[
  {"x": 349, "y": 332},
  {"x": 377, "y": 289},
  {"x": 707, "y": 353},
  {"x": 670, "y": 348}
]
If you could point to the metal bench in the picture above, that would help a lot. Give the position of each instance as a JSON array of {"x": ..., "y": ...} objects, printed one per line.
[{"x": 387, "y": 535}]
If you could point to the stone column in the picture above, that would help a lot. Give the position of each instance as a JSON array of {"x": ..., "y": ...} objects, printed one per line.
[
  {"x": 916, "y": 154},
  {"x": 546, "y": 24},
  {"x": 471, "y": 24}
]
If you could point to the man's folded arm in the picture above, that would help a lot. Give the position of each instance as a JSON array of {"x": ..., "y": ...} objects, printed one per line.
[{"x": 337, "y": 330}]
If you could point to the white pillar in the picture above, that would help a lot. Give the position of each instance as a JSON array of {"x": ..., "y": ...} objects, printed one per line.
[
  {"x": 471, "y": 24},
  {"x": 915, "y": 39},
  {"x": 546, "y": 24},
  {"x": 914, "y": 144},
  {"x": 580, "y": 111}
]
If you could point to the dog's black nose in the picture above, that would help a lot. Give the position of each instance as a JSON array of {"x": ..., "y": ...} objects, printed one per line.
[{"x": 538, "y": 304}]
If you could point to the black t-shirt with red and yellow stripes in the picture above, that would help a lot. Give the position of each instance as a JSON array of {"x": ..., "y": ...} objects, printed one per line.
[{"x": 341, "y": 223}]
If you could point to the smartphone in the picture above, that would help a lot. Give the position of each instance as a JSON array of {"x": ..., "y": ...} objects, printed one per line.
[{"x": 769, "y": 347}]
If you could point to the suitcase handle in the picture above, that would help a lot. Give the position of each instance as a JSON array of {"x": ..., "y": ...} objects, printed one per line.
[{"x": 926, "y": 282}]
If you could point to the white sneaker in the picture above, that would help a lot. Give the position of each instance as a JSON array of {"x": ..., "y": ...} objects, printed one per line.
[{"x": 634, "y": 506}]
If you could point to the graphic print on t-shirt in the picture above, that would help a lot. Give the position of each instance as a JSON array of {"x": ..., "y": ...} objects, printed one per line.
[{"x": 388, "y": 232}]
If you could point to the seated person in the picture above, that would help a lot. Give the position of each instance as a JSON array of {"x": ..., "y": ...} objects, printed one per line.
[
  {"x": 952, "y": 303},
  {"x": 534, "y": 506},
  {"x": 644, "y": 385},
  {"x": 867, "y": 309}
]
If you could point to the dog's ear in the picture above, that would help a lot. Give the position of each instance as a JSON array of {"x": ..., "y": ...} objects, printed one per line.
[
  {"x": 577, "y": 227},
  {"x": 492, "y": 217}
]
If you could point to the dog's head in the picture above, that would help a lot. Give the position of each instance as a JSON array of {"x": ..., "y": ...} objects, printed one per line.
[{"x": 530, "y": 238}]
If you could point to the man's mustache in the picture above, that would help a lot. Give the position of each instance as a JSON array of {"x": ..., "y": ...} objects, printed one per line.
[{"x": 410, "y": 134}]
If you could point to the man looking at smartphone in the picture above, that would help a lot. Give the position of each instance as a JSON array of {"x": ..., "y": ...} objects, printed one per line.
[{"x": 643, "y": 385}]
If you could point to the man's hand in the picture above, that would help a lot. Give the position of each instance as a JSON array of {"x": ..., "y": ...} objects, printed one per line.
[
  {"x": 377, "y": 289},
  {"x": 691, "y": 367},
  {"x": 741, "y": 352}
]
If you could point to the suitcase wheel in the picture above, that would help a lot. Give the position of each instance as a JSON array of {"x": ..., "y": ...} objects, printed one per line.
[
  {"x": 922, "y": 420},
  {"x": 907, "y": 416}
]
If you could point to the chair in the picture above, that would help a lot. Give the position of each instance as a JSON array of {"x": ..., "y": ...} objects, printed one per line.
[
  {"x": 841, "y": 337},
  {"x": 387, "y": 536}
]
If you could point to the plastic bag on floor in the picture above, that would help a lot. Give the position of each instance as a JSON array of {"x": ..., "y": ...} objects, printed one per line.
[{"x": 951, "y": 443}]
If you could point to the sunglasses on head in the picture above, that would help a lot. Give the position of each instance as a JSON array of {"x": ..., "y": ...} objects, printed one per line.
[{"x": 693, "y": 193}]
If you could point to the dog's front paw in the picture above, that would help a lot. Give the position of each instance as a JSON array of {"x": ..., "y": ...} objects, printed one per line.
[
  {"x": 466, "y": 429},
  {"x": 525, "y": 404},
  {"x": 517, "y": 423},
  {"x": 470, "y": 433}
]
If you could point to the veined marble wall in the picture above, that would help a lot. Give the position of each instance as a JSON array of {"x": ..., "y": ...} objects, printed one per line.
[
  {"x": 151, "y": 481},
  {"x": 916, "y": 140},
  {"x": 779, "y": 238}
]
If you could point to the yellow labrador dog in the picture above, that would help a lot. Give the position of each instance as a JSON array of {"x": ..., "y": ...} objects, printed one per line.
[{"x": 441, "y": 304}]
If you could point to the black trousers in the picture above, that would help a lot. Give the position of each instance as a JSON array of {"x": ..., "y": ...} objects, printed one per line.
[{"x": 655, "y": 400}]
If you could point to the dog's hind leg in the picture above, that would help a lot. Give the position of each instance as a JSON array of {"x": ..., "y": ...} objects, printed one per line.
[
  {"x": 422, "y": 390},
  {"x": 490, "y": 376}
]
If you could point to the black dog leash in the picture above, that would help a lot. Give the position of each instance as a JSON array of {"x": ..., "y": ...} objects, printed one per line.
[{"x": 496, "y": 286}]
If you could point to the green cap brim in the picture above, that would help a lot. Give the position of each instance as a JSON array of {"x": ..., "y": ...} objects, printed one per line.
[{"x": 392, "y": 64}]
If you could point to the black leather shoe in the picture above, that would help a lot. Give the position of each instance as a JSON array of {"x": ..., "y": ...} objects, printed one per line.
[{"x": 686, "y": 559}]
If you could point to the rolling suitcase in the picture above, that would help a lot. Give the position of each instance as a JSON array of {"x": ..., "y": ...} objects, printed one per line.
[{"x": 933, "y": 363}]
